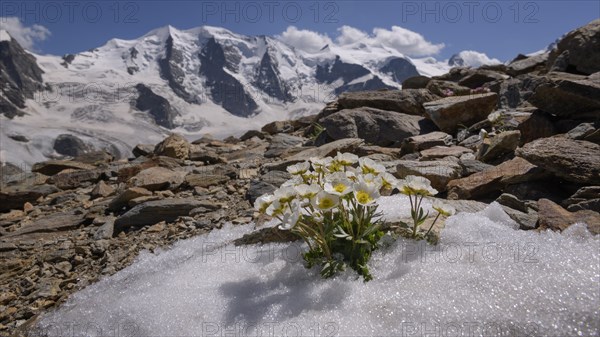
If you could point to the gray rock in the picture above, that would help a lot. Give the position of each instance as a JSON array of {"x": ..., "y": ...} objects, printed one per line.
[
  {"x": 426, "y": 141},
  {"x": 525, "y": 64},
  {"x": 52, "y": 167},
  {"x": 500, "y": 147},
  {"x": 153, "y": 212},
  {"x": 124, "y": 197},
  {"x": 573, "y": 160},
  {"x": 471, "y": 166},
  {"x": 158, "y": 178},
  {"x": 438, "y": 152},
  {"x": 378, "y": 127},
  {"x": 75, "y": 179},
  {"x": 70, "y": 145},
  {"x": 174, "y": 146},
  {"x": 567, "y": 95},
  {"x": 280, "y": 143},
  {"x": 407, "y": 101},
  {"x": 106, "y": 230},
  {"x": 50, "y": 223},
  {"x": 450, "y": 112},
  {"x": 102, "y": 190},
  {"x": 581, "y": 131},
  {"x": 440, "y": 172},
  {"x": 142, "y": 150},
  {"x": 16, "y": 197},
  {"x": 582, "y": 46}
]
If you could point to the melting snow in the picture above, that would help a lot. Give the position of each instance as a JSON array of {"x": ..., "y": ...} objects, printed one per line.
[{"x": 484, "y": 278}]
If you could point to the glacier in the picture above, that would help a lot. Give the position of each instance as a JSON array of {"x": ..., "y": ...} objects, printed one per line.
[{"x": 485, "y": 278}]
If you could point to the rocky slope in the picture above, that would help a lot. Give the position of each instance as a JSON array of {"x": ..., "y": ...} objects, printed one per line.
[{"x": 526, "y": 134}]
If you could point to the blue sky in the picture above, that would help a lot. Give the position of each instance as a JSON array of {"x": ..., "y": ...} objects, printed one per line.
[{"x": 501, "y": 29}]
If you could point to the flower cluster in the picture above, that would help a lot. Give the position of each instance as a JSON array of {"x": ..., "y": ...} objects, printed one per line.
[{"x": 331, "y": 204}]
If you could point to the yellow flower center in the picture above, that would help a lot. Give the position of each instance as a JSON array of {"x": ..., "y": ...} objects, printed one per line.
[
  {"x": 325, "y": 203},
  {"x": 363, "y": 197},
  {"x": 340, "y": 188}
]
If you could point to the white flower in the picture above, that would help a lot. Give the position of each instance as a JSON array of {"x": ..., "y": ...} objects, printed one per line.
[
  {"x": 368, "y": 165},
  {"x": 299, "y": 168},
  {"x": 346, "y": 159},
  {"x": 388, "y": 181},
  {"x": 285, "y": 194},
  {"x": 291, "y": 217},
  {"x": 365, "y": 194},
  {"x": 412, "y": 185},
  {"x": 325, "y": 201},
  {"x": 443, "y": 209},
  {"x": 320, "y": 164},
  {"x": 276, "y": 208},
  {"x": 262, "y": 202},
  {"x": 307, "y": 191},
  {"x": 371, "y": 179},
  {"x": 338, "y": 184},
  {"x": 495, "y": 116},
  {"x": 483, "y": 134}
]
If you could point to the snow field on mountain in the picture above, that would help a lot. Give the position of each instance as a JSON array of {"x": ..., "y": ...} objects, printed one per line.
[{"x": 484, "y": 278}]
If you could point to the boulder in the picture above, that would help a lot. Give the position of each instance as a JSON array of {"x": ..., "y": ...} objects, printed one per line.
[
  {"x": 52, "y": 167},
  {"x": 415, "y": 82},
  {"x": 534, "y": 126},
  {"x": 480, "y": 77},
  {"x": 526, "y": 64},
  {"x": 407, "y": 101},
  {"x": 124, "y": 197},
  {"x": 378, "y": 127},
  {"x": 451, "y": 112},
  {"x": 174, "y": 146},
  {"x": 69, "y": 179},
  {"x": 578, "y": 50},
  {"x": 553, "y": 216},
  {"x": 446, "y": 88},
  {"x": 573, "y": 160},
  {"x": 102, "y": 190},
  {"x": 16, "y": 197},
  {"x": 426, "y": 141},
  {"x": 143, "y": 150},
  {"x": 70, "y": 145},
  {"x": 566, "y": 95},
  {"x": 444, "y": 151},
  {"x": 280, "y": 143},
  {"x": 494, "y": 180},
  {"x": 51, "y": 223},
  {"x": 158, "y": 178},
  {"x": 207, "y": 156},
  {"x": 277, "y": 127},
  {"x": 440, "y": 172},
  {"x": 500, "y": 146},
  {"x": 152, "y": 212}
]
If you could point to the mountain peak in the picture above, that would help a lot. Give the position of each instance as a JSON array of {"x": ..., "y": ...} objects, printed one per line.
[{"x": 4, "y": 35}]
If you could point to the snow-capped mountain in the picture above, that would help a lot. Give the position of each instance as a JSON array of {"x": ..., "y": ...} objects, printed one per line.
[{"x": 196, "y": 81}]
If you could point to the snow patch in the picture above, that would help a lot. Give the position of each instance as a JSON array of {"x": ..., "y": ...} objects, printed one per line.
[{"x": 484, "y": 278}]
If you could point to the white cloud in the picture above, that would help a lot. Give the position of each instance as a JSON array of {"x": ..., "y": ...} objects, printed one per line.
[
  {"x": 349, "y": 35},
  {"x": 405, "y": 41},
  {"x": 476, "y": 59},
  {"x": 306, "y": 40},
  {"x": 26, "y": 36}
]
